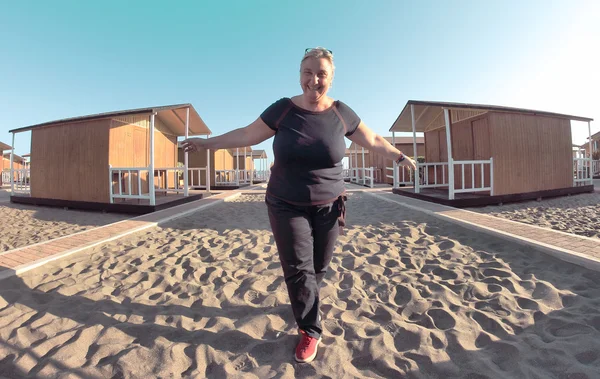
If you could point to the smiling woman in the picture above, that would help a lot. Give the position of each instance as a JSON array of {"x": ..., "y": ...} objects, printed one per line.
[{"x": 305, "y": 194}]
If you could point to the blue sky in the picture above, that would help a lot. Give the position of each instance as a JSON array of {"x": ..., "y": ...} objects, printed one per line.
[{"x": 231, "y": 59}]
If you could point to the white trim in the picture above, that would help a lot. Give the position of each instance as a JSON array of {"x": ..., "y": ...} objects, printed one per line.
[
  {"x": 186, "y": 185},
  {"x": 417, "y": 174},
  {"x": 12, "y": 168},
  {"x": 151, "y": 165},
  {"x": 450, "y": 160},
  {"x": 395, "y": 183}
]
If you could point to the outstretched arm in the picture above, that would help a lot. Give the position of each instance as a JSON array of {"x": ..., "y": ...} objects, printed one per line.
[
  {"x": 365, "y": 137},
  {"x": 250, "y": 135}
]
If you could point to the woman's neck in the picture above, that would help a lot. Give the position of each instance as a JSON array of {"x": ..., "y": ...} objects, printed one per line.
[{"x": 316, "y": 106}]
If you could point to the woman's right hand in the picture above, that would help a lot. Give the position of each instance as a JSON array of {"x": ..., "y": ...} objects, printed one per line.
[{"x": 191, "y": 145}]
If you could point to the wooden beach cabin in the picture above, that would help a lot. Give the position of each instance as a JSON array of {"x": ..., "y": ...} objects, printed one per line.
[
  {"x": 123, "y": 161},
  {"x": 363, "y": 162},
  {"x": 223, "y": 173},
  {"x": 260, "y": 164},
  {"x": 496, "y": 154}
]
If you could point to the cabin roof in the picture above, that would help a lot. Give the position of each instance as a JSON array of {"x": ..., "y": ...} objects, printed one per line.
[
  {"x": 426, "y": 112},
  {"x": 172, "y": 115}
]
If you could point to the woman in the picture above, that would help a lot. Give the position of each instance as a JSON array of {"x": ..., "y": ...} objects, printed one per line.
[{"x": 305, "y": 193}]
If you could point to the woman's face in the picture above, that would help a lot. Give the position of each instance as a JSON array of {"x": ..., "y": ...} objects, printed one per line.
[{"x": 316, "y": 75}]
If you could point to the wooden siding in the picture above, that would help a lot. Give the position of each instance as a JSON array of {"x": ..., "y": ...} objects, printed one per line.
[
  {"x": 456, "y": 115},
  {"x": 531, "y": 153},
  {"x": 130, "y": 147},
  {"x": 481, "y": 149},
  {"x": 70, "y": 162},
  {"x": 219, "y": 160}
]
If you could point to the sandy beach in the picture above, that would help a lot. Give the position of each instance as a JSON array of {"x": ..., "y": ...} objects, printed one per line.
[
  {"x": 407, "y": 296},
  {"x": 24, "y": 225},
  {"x": 577, "y": 214}
]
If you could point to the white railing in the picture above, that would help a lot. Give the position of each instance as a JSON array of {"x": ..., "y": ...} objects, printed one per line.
[
  {"x": 468, "y": 183},
  {"x": 369, "y": 176},
  {"x": 581, "y": 171},
  {"x": 346, "y": 173},
  {"x": 438, "y": 167},
  {"x": 124, "y": 179},
  {"x": 195, "y": 176},
  {"x": 226, "y": 178},
  {"x": 360, "y": 175},
  {"x": 404, "y": 175},
  {"x": 6, "y": 176},
  {"x": 261, "y": 175},
  {"x": 170, "y": 179},
  {"x": 21, "y": 185},
  {"x": 245, "y": 176},
  {"x": 474, "y": 187},
  {"x": 595, "y": 168}
]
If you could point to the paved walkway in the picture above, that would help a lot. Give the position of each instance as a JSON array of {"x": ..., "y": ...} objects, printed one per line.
[
  {"x": 26, "y": 258},
  {"x": 580, "y": 250}
]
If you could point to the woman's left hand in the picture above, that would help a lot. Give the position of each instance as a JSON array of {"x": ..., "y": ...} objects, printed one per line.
[{"x": 408, "y": 162}]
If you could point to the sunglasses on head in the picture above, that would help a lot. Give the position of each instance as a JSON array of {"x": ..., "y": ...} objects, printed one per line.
[{"x": 309, "y": 49}]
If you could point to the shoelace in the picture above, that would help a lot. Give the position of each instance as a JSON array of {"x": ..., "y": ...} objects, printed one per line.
[{"x": 306, "y": 342}]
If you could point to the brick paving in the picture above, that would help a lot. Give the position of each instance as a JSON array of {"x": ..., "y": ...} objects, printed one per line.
[
  {"x": 25, "y": 258},
  {"x": 573, "y": 248},
  {"x": 577, "y": 249}
]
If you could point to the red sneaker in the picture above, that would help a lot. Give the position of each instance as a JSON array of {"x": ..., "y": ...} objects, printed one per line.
[{"x": 306, "y": 350}]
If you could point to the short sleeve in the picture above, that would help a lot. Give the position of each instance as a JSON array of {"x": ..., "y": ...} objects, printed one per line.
[
  {"x": 350, "y": 118},
  {"x": 273, "y": 114}
]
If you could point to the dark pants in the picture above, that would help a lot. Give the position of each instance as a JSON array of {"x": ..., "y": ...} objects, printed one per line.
[{"x": 305, "y": 237}]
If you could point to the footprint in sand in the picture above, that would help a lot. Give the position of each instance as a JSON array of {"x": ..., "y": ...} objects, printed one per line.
[
  {"x": 253, "y": 297},
  {"x": 402, "y": 296},
  {"x": 347, "y": 282},
  {"x": 587, "y": 357},
  {"x": 441, "y": 319},
  {"x": 527, "y": 303},
  {"x": 406, "y": 340},
  {"x": 489, "y": 324}
]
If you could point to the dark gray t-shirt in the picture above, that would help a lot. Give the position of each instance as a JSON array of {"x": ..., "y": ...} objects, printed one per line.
[{"x": 309, "y": 148}]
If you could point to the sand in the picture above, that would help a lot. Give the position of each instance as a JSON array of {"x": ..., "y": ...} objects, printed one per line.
[
  {"x": 577, "y": 214},
  {"x": 24, "y": 225},
  {"x": 203, "y": 296}
]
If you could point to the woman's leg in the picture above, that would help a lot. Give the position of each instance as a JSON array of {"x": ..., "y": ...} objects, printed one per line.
[
  {"x": 292, "y": 230},
  {"x": 325, "y": 234}
]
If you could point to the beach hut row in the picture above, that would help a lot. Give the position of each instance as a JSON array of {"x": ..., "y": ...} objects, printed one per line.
[
  {"x": 127, "y": 161},
  {"x": 467, "y": 154},
  {"x": 472, "y": 154}
]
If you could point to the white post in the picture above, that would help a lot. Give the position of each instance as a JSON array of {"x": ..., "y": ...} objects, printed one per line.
[
  {"x": 363, "y": 164},
  {"x": 151, "y": 165},
  {"x": 237, "y": 167},
  {"x": 491, "y": 177},
  {"x": 186, "y": 186},
  {"x": 251, "y": 169},
  {"x": 110, "y": 185},
  {"x": 207, "y": 170},
  {"x": 591, "y": 174},
  {"x": 414, "y": 129},
  {"x": 12, "y": 169},
  {"x": 394, "y": 165},
  {"x": 450, "y": 160},
  {"x": 356, "y": 162}
]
